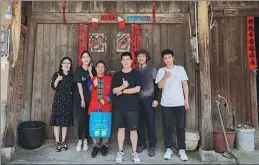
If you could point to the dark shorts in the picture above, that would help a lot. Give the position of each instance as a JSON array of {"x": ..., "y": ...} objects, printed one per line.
[{"x": 126, "y": 119}]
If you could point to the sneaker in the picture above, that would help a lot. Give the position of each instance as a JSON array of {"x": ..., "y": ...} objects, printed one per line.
[
  {"x": 151, "y": 151},
  {"x": 104, "y": 150},
  {"x": 63, "y": 146},
  {"x": 85, "y": 145},
  {"x": 58, "y": 147},
  {"x": 140, "y": 148},
  {"x": 168, "y": 154},
  {"x": 79, "y": 146},
  {"x": 136, "y": 158},
  {"x": 119, "y": 157},
  {"x": 183, "y": 155},
  {"x": 95, "y": 152}
]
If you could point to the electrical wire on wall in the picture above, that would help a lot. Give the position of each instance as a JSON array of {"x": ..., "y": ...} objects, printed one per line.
[{"x": 212, "y": 24}]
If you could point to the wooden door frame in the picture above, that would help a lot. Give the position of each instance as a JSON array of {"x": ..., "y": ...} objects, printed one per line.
[{"x": 87, "y": 18}]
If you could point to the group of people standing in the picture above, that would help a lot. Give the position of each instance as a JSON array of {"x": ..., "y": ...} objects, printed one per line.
[{"x": 131, "y": 95}]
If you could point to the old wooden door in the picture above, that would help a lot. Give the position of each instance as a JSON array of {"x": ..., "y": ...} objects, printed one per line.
[
  {"x": 54, "y": 41},
  {"x": 110, "y": 55}
]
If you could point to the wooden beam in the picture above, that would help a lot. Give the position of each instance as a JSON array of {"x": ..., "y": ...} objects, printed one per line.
[
  {"x": 192, "y": 17},
  {"x": 205, "y": 81},
  {"x": 249, "y": 7},
  {"x": 254, "y": 104},
  {"x": 29, "y": 69},
  {"x": 13, "y": 80},
  {"x": 16, "y": 29},
  {"x": 87, "y": 18},
  {"x": 236, "y": 12}
]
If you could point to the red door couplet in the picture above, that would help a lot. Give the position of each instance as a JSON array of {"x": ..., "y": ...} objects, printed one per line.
[
  {"x": 250, "y": 43},
  {"x": 82, "y": 41},
  {"x": 135, "y": 42}
]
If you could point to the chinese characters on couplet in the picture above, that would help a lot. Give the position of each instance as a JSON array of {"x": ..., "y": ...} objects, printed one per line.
[{"x": 250, "y": 42}]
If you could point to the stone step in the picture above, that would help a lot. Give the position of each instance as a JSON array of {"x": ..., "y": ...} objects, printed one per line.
[{"x": 257, "y": 139}]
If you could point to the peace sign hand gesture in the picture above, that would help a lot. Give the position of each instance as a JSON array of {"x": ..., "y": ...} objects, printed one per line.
[{"x": 90, "y": 67}]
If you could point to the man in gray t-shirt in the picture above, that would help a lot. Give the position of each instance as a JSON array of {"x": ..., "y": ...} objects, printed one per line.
[{"x": 148, "y": 101}]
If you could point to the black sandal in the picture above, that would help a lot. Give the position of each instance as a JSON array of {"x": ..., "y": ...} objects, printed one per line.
[
  {"x": 58, "y": 147},
  {"x": 104, "y": 150},
  {"x": 95, "y": 152},
  {"x": 64, "y": 146}
]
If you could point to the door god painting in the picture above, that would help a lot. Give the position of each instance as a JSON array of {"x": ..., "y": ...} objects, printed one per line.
[
  {"x": 123, "y": 42},
  {"x": 97, "y": 42}
]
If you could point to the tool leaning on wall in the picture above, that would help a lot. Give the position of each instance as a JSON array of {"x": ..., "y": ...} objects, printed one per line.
[{"x": 228, "y": 153}]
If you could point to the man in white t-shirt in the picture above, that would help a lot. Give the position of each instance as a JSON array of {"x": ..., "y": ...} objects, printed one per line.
[{"x": 172, "y": 79}]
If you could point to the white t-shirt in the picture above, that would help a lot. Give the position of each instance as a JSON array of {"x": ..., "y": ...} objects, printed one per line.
[{"x": 172, "y": 95}]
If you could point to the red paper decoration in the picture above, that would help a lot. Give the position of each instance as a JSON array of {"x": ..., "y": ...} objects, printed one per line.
[
  {"x": 95, "y": 23},
  {"x": 154, "y": 12},
  {"x": 123, "y": 42},
  {"x": 96, "y": 42},
  {"x": 122, "y": 23},
  {"x": 135, "y": 42},
  {"x": 64, "y": 15},
  {"x": 62, "y": 5},
  {"x": 250, "y": 43},
  {"x": 82, "y": 41},
  {"x": 109, "y": 17}
]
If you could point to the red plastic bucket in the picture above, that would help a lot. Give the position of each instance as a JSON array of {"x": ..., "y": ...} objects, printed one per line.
[{"x": 219, "y": 140}]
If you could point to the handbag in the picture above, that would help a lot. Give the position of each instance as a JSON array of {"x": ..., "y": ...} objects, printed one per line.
[{"x": 100, "y": 124}]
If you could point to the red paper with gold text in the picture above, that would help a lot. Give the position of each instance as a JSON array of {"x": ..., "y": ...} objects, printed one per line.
[
  {"x": 82, "y": 41},
  {"x": 135, "y": 42},
  {"x": 250, "y": 43}
]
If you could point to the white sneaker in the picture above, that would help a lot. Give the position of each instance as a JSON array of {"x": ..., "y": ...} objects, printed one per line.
[
  {"x": 136, "y": 158},
  {"x": 85, "y": 145},
  {"x": 168, "y": 154},
  {"x": 119, "y": 157},
  {"x": 183, "y": 155},
  {"x": 79, "y": 146}
]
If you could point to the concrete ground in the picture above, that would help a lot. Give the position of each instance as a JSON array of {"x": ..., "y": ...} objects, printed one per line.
[{"x": 46, "y": 155}]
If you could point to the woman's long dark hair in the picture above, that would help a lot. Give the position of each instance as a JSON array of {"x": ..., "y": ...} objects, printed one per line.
[
  {"x": 60, "y": 71},
  {"x": 88, "y": 55},
  {"x": 93, "y": 68}
]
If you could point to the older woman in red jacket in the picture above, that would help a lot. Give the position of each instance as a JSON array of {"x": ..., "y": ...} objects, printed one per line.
[{"x": 101, "y": 95}]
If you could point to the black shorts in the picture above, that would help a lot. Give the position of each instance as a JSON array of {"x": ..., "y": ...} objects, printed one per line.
[{"x": 126, "y": 119}]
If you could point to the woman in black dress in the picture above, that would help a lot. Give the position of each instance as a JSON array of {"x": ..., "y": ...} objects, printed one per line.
[
  {"x": 62, "y": 112},
  {"x": 82, "y": 75}
]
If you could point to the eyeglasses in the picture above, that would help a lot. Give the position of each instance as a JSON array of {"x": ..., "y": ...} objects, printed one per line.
[{"x": 66, "y": 63}]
